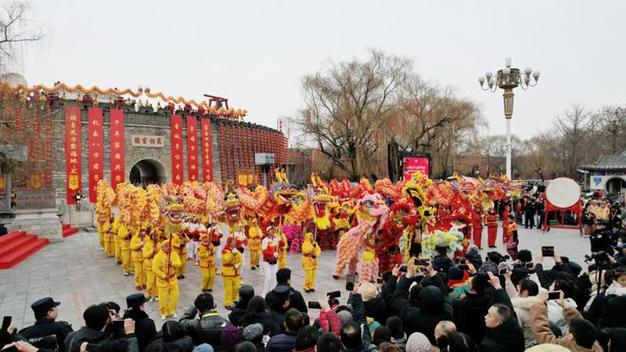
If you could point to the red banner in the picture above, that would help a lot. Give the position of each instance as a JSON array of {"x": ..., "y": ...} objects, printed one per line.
[
  {"x": 96, "y": 150},
  {"x": 207, "y": 156},
  {"x": 116, "y": 139},
  {"x": 176, "y": 134},
  {"x": 72, "y": 153},
  {"x": 47, "y": 147},
  {"x": 411, "y": 165},
  {"x": 192, "y": 149}
]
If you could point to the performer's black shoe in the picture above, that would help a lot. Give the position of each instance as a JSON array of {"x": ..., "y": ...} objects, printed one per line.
[
  {"x": 336, "y": 277},
  {"x": 253, "y": 267}
]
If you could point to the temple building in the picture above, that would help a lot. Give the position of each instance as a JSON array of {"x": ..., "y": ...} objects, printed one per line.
[{"x": 607, "y": 174}]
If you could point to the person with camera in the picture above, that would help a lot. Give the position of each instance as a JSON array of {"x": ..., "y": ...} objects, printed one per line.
[
  {"x": 434, "y": 303},
  {"x": 209, "y": 325},
  {"x": 470, "y": 310},
  {"x": 581, "y": 335},
  {"x": 46, "y": 313},
  {"x": 145, "y": 329},
  {"x": 92, "y": 337},
  {"x": 355, "y": 336}
]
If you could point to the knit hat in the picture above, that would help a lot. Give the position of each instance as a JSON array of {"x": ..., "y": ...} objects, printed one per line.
[
  {"x": 345, "y": 316},
  {"x": 547, "y": 347},
  {"x": 205, "y": 347},
  {"x": 455, "y": 273},
  {"x": 418, "y": 342},
  {"x": 368, "y": 291},
  {"x": 252, "y": 332}
]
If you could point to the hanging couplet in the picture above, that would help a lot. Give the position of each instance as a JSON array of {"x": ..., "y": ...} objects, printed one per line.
[
  {"x": 72, "y": 153},
  {"x": 192, "y": 148},
  {"x": 96, "y": 150},
  {"x": 207, "y": 159},
  {"x": 116, "y": 139},
  {"x": 176, "y": 133},
  {"x": 47, "y": 149}
]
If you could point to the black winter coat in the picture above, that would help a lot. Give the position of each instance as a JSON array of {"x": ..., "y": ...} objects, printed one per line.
[
  {"x": 469, "y": 312},
  {"x": 270, "y": 327},
  {"x": 435, "y": 306},
  {"x": 506, "y": 337},
  {"x": 46, "y": 327},
  {"x": 281, "y": 343},
  {"x": 207, "y": 329},
  {"x": 377, "y": 308},
  {"x": 184, "y": 344},
  {"x": 145, "y": 331}
]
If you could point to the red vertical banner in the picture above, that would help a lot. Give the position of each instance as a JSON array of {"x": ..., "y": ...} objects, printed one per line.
[
  {"x": 117, "y": 142},
  {"x": 96, "y": 150},
  {"x": 72, "y": 153},
  {"x": 207, "y": 156},
  {"x": 176, "y": 137},
  {"x": 47, "y": 149},
  {"x": 192, "y": 148}
]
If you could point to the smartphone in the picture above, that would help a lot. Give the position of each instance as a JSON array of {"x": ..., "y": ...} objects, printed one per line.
[
  {"x": 403, "y": 269},
  {"x": 547, "y": 251},
  {"x": 350, "y": 280},
  {"x": 92, "y": 347},
  {"x": 334, "y": 294},
  {"x": 117, "y": 325},
  {"x": 314, "y": 305},
  {"x": 6, "y": 322},
  {"x": 463, "y": 266},
  {"x": 380, "y": 280},
  {"x": 420, "y": 261},
  {"x": 554, "y": 295}
]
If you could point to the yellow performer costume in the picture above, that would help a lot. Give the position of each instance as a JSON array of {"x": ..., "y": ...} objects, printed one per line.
[
  {"x": 103, "y": 229},
  {"x": 164, "y": 266},
  {"x": 206, "y": 257},
  {"x": 282, "y": 250},
  {"x": 310, "y": 251},
  {"x": 148, "y": 253},
  {"x": 117, "y": 245},
  {"x": 231, "y": 263},
  {"x": 254, "y": 243},
  {"x": 136, "y": 255},
  {"x": 109, "y": 239},
  {"x": 180, "y": 246},
  {"x": 123, "y": 236}
]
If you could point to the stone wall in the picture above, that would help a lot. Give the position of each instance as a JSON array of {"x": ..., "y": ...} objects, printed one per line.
[{"x": 136, "y": 123}]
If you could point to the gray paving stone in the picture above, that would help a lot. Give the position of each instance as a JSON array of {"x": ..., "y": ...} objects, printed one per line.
[{"x": 78, "y": 274}]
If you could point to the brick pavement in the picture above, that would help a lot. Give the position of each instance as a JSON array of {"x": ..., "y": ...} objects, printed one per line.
[{"x": 76, "y": 273}]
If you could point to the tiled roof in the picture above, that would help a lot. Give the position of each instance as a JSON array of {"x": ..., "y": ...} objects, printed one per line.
[{"x": 608, "y": 162}]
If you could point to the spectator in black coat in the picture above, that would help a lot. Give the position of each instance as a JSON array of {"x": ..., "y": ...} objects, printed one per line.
[
  {"x": 294, "y": 320},
  {"x": 246, "y": 292},
  {"x": 503, "y": 332},
  {"x": 210, "y": 325},
  {"x": 172, "y": 338},
  {"x": 283, "y": 278},
  {"x": 375, "y": 306},
  {"x": 257, "y": 313},
  {"x": 435, "y": 305},
  {"x": 469, "y": 312},
  {"x": 441, "y": 262},
  {"x": 145, "y": 329},
  {"x": 96, "y": 319}
]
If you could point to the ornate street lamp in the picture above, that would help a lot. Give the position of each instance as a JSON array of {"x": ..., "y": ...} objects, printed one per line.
[{"x": 507, "y": 79}]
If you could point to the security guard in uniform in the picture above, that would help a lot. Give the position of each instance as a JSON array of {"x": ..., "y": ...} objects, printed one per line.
[{"x": 46, "y": 313}]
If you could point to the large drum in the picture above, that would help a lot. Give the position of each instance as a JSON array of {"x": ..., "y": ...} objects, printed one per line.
[{"x": 563, "y": 192}]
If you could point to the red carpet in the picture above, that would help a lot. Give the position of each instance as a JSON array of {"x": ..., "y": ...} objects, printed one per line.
[
  {"x": 68, "y": 230},
  {"x": 17, "y": 246}
]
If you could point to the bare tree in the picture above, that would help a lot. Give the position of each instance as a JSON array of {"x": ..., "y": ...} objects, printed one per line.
[
  {"x": 15, "y": 29},
  {"x": 348, "y": 104}
]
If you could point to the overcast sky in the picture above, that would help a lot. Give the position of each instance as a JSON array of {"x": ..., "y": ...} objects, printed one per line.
[{"x": 256, "y": 52}]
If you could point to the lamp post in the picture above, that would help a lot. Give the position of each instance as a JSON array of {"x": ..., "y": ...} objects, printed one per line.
[{"x": 507, "y": 79}]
